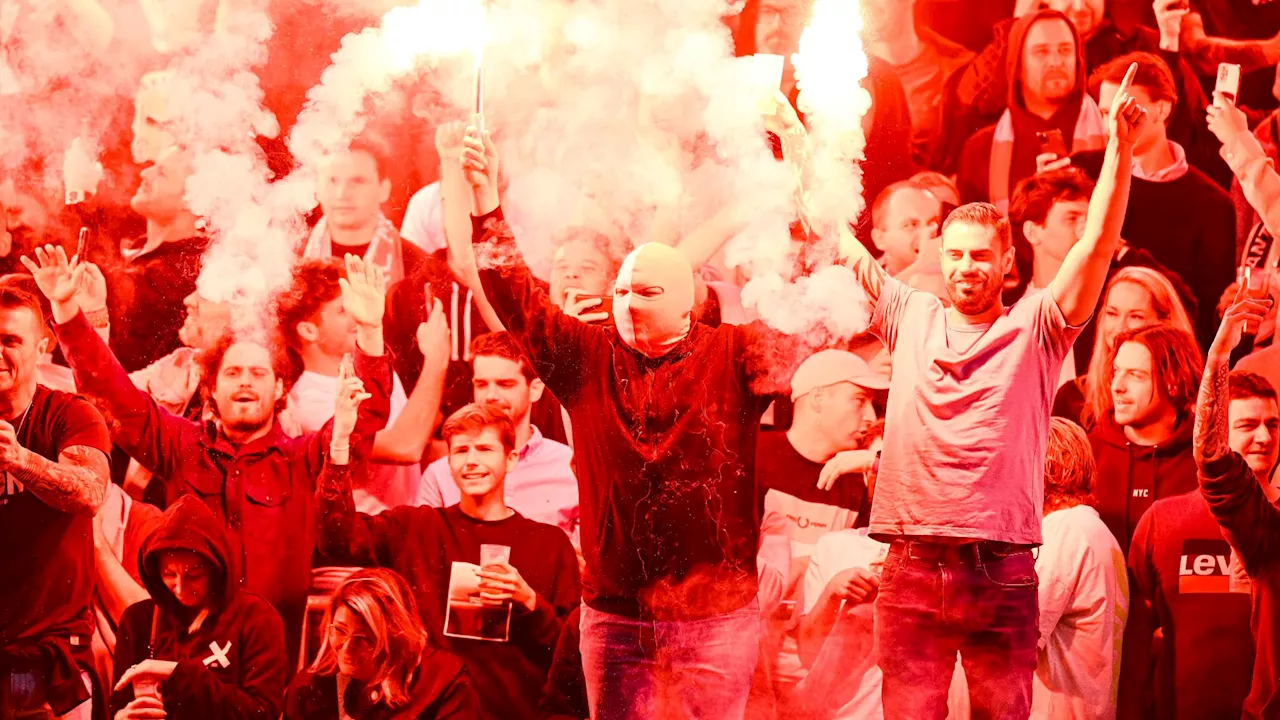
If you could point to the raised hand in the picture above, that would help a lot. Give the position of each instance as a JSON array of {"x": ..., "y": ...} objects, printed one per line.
[
  {"x": 449, "y": 138},
  {"x": 1126, "y": 115},
  {"x": 1169, "y": 14},
  {"x": 1225, "y": 120},
  {"x": 346, "y": 404},
  {"x": 433, "y": 335},
  {"x": 92, "y": 294},
  {"x": 480, "y": 166},
  {"x": 1245, "y": 310},
  {"x": 57, "y": 278},
  {"x": 364, "y": 292}
]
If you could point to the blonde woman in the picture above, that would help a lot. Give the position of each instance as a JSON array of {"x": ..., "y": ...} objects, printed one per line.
[
  {"x": 374, "y": 662},
  {"x": 1136, "y": 297}
]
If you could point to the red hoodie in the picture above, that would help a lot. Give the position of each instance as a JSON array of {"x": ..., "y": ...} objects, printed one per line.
[{"x": 1132, "y": 477}]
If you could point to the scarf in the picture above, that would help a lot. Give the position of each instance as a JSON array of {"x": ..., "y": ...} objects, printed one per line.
[
  {"x": 384, "y": 250},
  {"x": 1090, "y": 134}
]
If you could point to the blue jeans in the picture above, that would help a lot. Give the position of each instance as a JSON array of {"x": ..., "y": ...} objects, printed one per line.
[
  {"x": 937, "y": 600},
  {"x": 642, "y": 669}
]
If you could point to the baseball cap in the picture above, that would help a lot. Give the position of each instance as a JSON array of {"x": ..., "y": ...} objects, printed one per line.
[{"x": 828, "y": 367}]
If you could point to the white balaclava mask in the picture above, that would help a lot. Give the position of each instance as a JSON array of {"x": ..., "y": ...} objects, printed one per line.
[{"x": 653, "y": 298}]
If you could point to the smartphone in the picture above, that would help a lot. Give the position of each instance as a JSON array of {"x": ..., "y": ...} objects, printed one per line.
[
  {"x": 1228, "y": 82},
  {"x": 1052, "y": 142},
  {"x": 605, "y": 306}
]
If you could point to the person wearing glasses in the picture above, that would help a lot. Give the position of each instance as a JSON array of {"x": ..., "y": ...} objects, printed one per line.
[{"x": 376, "y": 663}]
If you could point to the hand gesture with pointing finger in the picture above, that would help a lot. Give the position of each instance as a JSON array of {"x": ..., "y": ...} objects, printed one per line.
[{"x": 1127, "y": 115}]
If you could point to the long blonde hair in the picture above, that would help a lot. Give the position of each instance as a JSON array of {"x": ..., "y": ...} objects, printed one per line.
[
  {"x": 1169, "y": 311},
  {"x": 383, "y": 600}
]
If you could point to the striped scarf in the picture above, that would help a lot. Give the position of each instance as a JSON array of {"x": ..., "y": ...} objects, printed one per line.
[
  {"x": 1090, "y": 134},
  {"x": 384, "y": 250}
]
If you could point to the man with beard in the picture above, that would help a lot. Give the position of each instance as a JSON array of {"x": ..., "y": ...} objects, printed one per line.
[
  {"x": 541, "y": 486},
  {"x": 256, "y": 479},
  {"x": 960, "y": 489},
  {"x": 665, "y": 413},
  {"x": 1236, "y": 453},
  {"x": 1046, "y": 95}
]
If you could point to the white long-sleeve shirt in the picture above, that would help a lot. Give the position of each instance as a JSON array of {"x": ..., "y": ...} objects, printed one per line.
[{"x": 1084, "y": 603}]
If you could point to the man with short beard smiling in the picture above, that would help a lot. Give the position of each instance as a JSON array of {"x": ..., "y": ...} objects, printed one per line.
[
  {"x": 256, "y": 479},
  {"x": 960, "y": 489}
]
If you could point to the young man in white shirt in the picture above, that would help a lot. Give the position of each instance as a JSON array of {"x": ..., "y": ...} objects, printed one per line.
[
  {"x": 541, "y": 486},
  {"x": 319, "y": 334},
  {"x": 1084, "y": 589}
]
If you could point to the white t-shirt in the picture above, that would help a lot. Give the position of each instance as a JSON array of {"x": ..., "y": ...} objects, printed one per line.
[
  {"x": 424, "y": 220},
  {"x": 1084, "y": 601},
  {"x": 384, "y": 486},
  {"x": 851, "y": 645},
  {"x": 966, "y": 426}
]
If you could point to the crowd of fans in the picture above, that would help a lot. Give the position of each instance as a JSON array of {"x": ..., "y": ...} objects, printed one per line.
[{"x": 434, "y": 485}]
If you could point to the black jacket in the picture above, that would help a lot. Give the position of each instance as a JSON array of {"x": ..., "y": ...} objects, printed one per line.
[
  {"x": 441, "y": 690},
  {"x": 234, "y": 666}
]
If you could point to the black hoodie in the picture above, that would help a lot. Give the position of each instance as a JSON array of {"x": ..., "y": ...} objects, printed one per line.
[
  {"x": 234, "y": 665},
  {"x": 1132, "y": 477}
]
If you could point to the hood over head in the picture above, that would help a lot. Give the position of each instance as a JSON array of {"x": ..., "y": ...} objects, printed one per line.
[
  {"x": 654, "y": 298},
  {"x": 1013, "y": 59},
  {"x": 188, "y": 524}
]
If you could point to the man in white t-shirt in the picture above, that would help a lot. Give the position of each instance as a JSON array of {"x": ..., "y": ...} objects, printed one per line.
[
  {"x": 960, "y": 491},
  {"x": 542, "y": 485},
  {"x": 319, "y": 333},
  {"x": 1084, "y": 589}
]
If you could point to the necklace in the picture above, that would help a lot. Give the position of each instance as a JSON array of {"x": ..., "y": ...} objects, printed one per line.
[{"x": 22, "y": 422}]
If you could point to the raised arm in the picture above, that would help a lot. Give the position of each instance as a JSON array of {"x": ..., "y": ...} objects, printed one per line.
[
  {"x": 405, "y": 440},
  {"x": 1244, "y": 155},
  {"x": 1235, "y": 496},
  {"x": 148, "y": 433},
  {"x": 1079, "y": 282},
  {"x": 344, "y": 534},
  {"x": 555, "y": 343},
  {"x": 797, "y": 152},
  {"x": 364, "y": 297},
  {"x": 455, "y": 205},
  {"x": 1206, "y": 52}
]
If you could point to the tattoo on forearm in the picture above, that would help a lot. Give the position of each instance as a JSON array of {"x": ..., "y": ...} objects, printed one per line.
[
  {"x": 77, "y": 483},
  {"x": 1210, "y": 441}
]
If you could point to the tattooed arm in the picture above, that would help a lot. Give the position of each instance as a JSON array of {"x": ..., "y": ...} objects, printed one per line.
[
  {"x": 1210, "y": 440},
  {"x": 76, "y": 483}
]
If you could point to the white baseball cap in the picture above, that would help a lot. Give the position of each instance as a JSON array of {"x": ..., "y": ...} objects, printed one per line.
[{"x": 828, "y": 367}]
